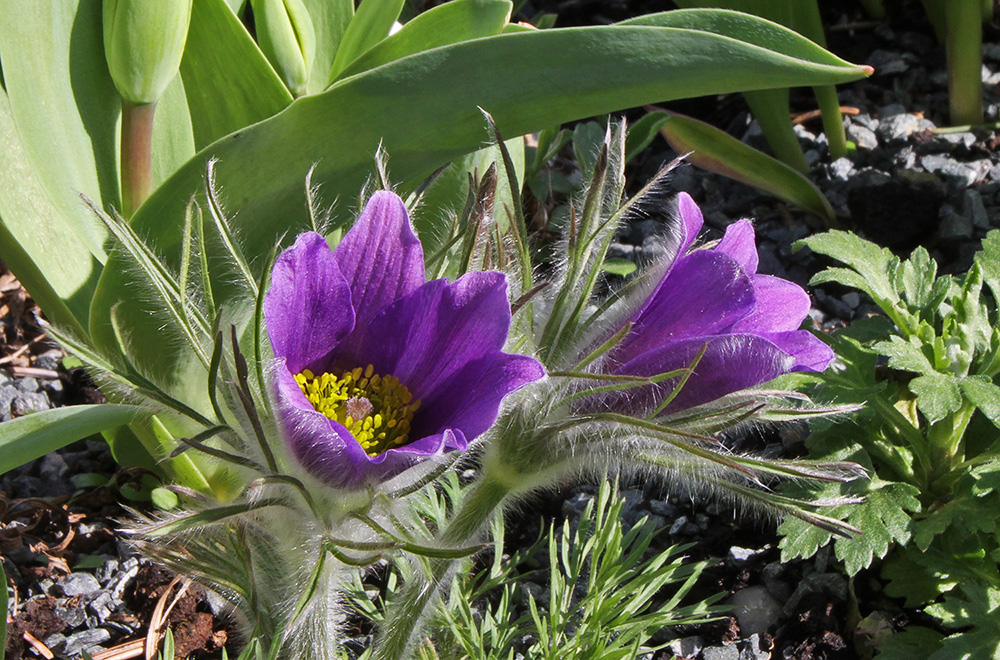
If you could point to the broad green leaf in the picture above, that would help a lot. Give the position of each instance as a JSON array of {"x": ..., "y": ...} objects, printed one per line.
[
  {"x": 458, "y": 20},
  {"x": 967, "y": 512},
  {"x": 984, "y": 394},
  {"x": 875, "y": 266},
  {"x": 330, "y": 19},
  {"x": 908, "y": 575},
  {"x": 905, "y": 354},
  {"x": 262, "y": 167},
  {"x": 916, "y": 279},
  {"x": 228, "y": 81},
  {"x": 978, "y": 606},
  {"x": 65, "y": 107},
  {"x": 370, "y": 25},
  {"x": 173, "y": 137},
  {"x": 36, "y": 240},
  {"x": 988, "y": 259},
  {"x": 911, "y": 642},
  {"x": 32, "y": 436},
  {"x": 716, "y": 151},
  {"x": 938, "y": 395},
  {"x": 641, "y": 133}
]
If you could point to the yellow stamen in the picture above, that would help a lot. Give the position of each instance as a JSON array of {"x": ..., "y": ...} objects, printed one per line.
[{"x": 376, "y": 409}]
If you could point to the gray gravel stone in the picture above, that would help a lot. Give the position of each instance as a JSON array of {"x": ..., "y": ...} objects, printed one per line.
[
  {"x": 678, "y": 526},
  {"x": 26, "y": 384},
  {"x": 841, "y": 169},
  {"x": 974, "y": 209},
  {"x": 29, "y": 402},
  {"x": 954, "y": 226},
  {"x": 865, "y": 138},
  {"x": 963, "y": 175},
  {"x": 84, "y": 640},
  {"x": 687, "y": 647},
  {"x": 72, "y": 616},
  {"x": 661, "y": 508},
  {"x": 897, "y": 128},
  {"x": 755, "y": 609},
  {"x": 7, "y": 395},
  {"x": 79, "y": 584},
  {"x": 724, "y": 652}
]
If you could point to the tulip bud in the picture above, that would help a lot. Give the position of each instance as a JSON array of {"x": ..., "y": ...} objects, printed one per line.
[
  {"x": 143, "y": 43},
  {"x": 285, "y": 34}
]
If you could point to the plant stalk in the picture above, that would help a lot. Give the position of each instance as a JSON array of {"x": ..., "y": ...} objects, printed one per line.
[
  {"x": 136, "y": 154},
  {"x": 403, "y": 620},
  {"x": 965, "y": 61}
]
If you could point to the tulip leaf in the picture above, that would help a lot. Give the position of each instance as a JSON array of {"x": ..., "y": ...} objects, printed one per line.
[
  {"x": 370, "y": 25},
  {"x": 459, "y": 20},
  {"x": 228, "y": 81},
  {"x": 716, "y": 151},
  {"x": 26, "y": 438},
  {"x": 330, "y": 19},
  {"x": 262, "y": 167},
  {"x": 64, "y": 106},
  {"x": 33, "y": 231}
]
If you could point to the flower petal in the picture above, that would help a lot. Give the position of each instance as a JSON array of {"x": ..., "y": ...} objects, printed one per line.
[
  {"x": 323, "y": 447},
  {"x": 705, "y": 293},
  {"x": 781, "y": 306},
  {"x": 424, "y": 338},
  {"x": 691, "y": 222},
  {"x": 470, "y": 399},
  {"x": 730, "y": 363},
  {"x": 740, "y": 244},
  {"x": 809, "y": 351},
  {"x": 381, "y": 257},
  {"x": 308, "y": 309}
]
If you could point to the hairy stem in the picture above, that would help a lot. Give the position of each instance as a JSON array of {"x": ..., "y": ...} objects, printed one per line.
[{"x": 401, "y": 629}]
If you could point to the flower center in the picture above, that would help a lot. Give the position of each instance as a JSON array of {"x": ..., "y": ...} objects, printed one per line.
[{"x": 376, "y": 409}]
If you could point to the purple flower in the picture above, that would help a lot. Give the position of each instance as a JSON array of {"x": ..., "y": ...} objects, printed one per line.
[
  {"x": 375, "y": 368},
  {"x": 714, "y": 299}
]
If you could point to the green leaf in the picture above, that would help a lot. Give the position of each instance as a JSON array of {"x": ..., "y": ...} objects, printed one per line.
[
  {"x": 64, "y": 105},
  {"x": 967, "y": 512},
  {"x": 164, "y": 499},
  {"x": 641, "y": 133},
  {"x": 714, "y": 150},
  {"x": 978, "y": 606},
  {"x": 452, "y": 22},
  {"x": 370, "y": 25},
  {"x": 26, "y": 438},
  {"x": 908, "y": 576},
  {"x": 621, "y": 267},
  {"x": 988, "y": 259},
  {"x": 911, "y": 642},
  {"x": 229, "y": 82},
  {"x": 873, "y": 266},
  {"x": 604, "y": 68},
  {"x": 938, "y": 395},
  {"x": 882, "y": 518},
  {"x": 330, "y": 20},
  {"x": 906, "y": 354},
  {"x": 916, "y": 279}
]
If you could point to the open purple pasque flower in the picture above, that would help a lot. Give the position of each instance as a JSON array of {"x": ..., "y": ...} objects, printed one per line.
[
  {"x": 747, "y": 323},
  {"x": 376, "y": 368}
]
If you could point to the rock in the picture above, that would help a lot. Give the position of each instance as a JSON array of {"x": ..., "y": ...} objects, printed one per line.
[
  {"x": 527, "y": 591},
  {"x": 724, "y": 652},
  {"x": 71, "y": 616},
  {"x": 26, "y": 384},
  {"x": 879, "y": 204},
  {"x": 974, "y": 209},
  {"x": 865, "y": 138},
  {"x": 755, "y": 609},
  {"x": 678, "y": 526},
  {"x": 29, "y": 402},
  {"x": 750, "y": 649},
  {"x": 897, "y": 128},
  {"x": 687, "y": 647},
  {"x": 841, "y": 169},
  {"x": 738, "y": 555},
  {"x": 7, "y": 395},
  {"x": 79, "y": 584},
  {"x": 661, "y": 508},
  {"x": 961, "y": 175},
  {"x": 85, "y": 640},
  {"x": 50, "y": 359},
  {"x": 954, "y": 227},
  {"x": 574, "y": 506},
  {"x": 887, "y": 63}
]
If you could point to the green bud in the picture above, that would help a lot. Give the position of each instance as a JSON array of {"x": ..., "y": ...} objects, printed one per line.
[
  {"x": 285, "y": 34},
  {"x": 144, "y": 43}
]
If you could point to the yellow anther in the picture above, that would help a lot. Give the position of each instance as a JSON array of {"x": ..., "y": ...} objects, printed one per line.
[{"x": 375, "y": 408}]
